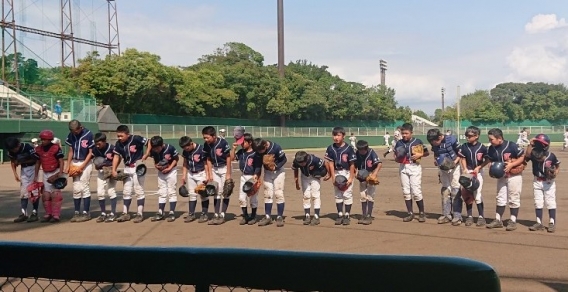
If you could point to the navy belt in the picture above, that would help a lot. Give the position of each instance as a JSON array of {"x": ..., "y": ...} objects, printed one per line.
[
  {"x": 28, "y": 164},
  {"x": 198, "y": 171}
]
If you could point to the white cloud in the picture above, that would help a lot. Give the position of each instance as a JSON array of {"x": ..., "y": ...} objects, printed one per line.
[{"x": 544, "y": 22}]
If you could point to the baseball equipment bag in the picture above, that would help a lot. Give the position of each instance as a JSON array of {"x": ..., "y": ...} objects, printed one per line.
[
  {"x": 60, "y": 183},
  {"x": 141, "y": 170},
  {"x": 341, "y": 182},
  {"x": 320, "y": 172},
  {"x": 228, "y": 187},
  {"x": 497, "y": 170},
  {"x": 211, "y": 188},
  {"x": 201, "y": 190},
  {"x": 417, "y": 149},
  {"x": 99, "y": 162},
  {"x": 550, "y": 172},
  {"x": 445, "y": 163},
  {"x": 35, "y": 190},
  {"x": 251, "y": 187},
  {"x": 517, "y": 169},
  {"x": 183, "y": 191},
  {"x": 74, "y": 171},
  {"x": 268, "y": 162},
  {"x": 372, "y": 180},
  {"x": 362, "y": 175},
  {"x": 469, "y": 182}
]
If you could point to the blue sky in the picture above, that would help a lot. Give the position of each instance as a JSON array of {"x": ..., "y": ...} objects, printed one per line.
[{"x": 427, "y": 44}]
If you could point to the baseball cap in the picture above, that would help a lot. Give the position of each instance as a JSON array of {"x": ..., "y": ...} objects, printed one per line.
[
  {"x": 222, "y": 131},
  {"x": 239, "y": 133}
]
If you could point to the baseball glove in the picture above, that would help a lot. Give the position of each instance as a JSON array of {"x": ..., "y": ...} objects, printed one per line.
[
  {"x": 517, "y": 169},
  {"x": 417, "y": 149},
  {"x": 107, "y": 172},
  {"x": 200, "y": 189},
  {"x": 251, "y": 187},
  {"x": 228, "y": 187},
  {"x": 550, "y": 172},
  {"x": 74, "y": 171},
  {"x": 372, "y": 180},
  {"x": 268, "y": 162}
]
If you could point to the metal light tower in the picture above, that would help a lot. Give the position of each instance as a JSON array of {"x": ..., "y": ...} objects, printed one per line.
[
  {"x": 383, "y": 67},
  {"x": 443, "y": 92},
  {"x": 280, "y": 11}
]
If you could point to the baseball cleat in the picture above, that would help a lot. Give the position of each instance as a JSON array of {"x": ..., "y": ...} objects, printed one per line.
[
  {"x": 55, "y": 220},
  {"x": 495, "y": 224},
  {"x": 189, "y": 218},
  {"x": 537, "y": 227},
  {"x": 443, "y": 220},
  {"x": 315, "y": 221},
  {"x": 307, "y": 219},
  {"x": 110, "y": 218},
  {"x": 551, "y": 228},
  {"x": 123, "y": 217},
  {"x": 480, "y": 222},
  {"x": 138, "y": 218},
  {"x": 244, "y": 220},
  {"x": 75, "y": 217},
  {"x": 158, "y": 217},
  {"x": 339, "y": 220},
  {"x": 456, "y": 222},
  {"x": 279, "y": 221},
  {"x": 511, "y": 226},
  {"x": 101, "y": 218},
  {"x": 265, "y": 221},
  {"x": 21, "y": 218},
  {"x": 220, "y": 220},
  {"x": 84, "y": 217},
  {"x": 362, "y": 219},
  {"x": 214, "y": 220},
  {"x": 408, "y": 218},
  {"x": 421, "y": 217},
  {"x": 367, "y": 220},
  {"x": 469, "y": 221},
  {"x": 203, "y": 218},
  {"x": 46, "y": 219},
  {"x": 33, "y": 218},
  {"x": 346, "y": 220},
  {"x": 171, "y": 217},
  {"x": 251, "y": 220}
]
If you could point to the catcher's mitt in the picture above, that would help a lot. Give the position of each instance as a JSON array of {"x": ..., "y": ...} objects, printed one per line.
[
  {"x": 52, "y": 178},
  {"x": 372, "y": 180},
  {"x": 107, "y": 172},
  {"x": 268, "y": 162},
  {"x": 74, "y": 171},
  {"x": 200, "y": 190},
  {"x": 121, "y": 176},
  {"x": 550, "y": 172},
  {"x": 517, "y": 169},
  {"x": 417, "y": 149},
  {"x": 228, "y": 187}
]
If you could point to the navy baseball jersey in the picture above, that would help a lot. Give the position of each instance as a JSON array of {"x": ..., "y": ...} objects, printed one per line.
[
  {"x": 132, "y": 150},
  {"x": 249, "y": 162},
  {"x": 168, "y": 153},
  {"x": 80, "y": 143},
  {"x": 539, "y": 166},
  {"x": 341, "y": 156},
  {"x": 449, "y": 147},
  {"x": 218, "y": 152},
  {"x": 473, "y": 154},
  {"x": 313, "y": 165},
  {"x": 194, "y": 160},
  {"x": 25, "y": 149},
  {"x": 107, "y": 153},
  {"x": 504, "y": 152},
  {"x": 279, "y": 155},
  {"x": 369, "y": 161},
  {"x": 403, "y": 150}
]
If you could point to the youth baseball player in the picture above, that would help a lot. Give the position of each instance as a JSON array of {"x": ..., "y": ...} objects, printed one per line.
[
  {"x": 50, "y": 158},
  {"x": 523, "y": 139},
  {"x": 445, "y": 149},
  {"x": 193, "y": 174},
  {"x": 217, "y": 151},
  {"x": 396, "y": 137},
  {"x": 165, "y": 161},
  {"x": 387, "y": 138},
  {"x": 472, "y": 155},
  {"x": 352, "y": 140},
  {"x": 312, "y": 169},
  {"x": 130, "y": 148},
  {"x": 509, "y": 186},
  {"x": 106, "y": 186},
  {"x": 23, "y": 155},
  {"x": 340, "y": 159},
  {"x": 273, "y": 160},
  {"x": 565, "y": 140},
  {"x": 408, "y": 152},
  {"x": 250, "y": 165},
  {"x": 81, "y": 144},
  {"x": 545, "y": 168},
  {"x": 368, "y": 161}
]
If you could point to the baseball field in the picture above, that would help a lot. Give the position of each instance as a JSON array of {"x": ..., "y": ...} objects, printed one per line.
[{"x": 524, "y": 260}]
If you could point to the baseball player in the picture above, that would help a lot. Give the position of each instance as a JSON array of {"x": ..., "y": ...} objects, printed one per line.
[
  {"x": 509, "y": 187},
  {"x": 217, "y": 152},
  {"x": 222, "y": 133},
  {"x": 387, "y": 138},
  {"x": 81, "y": 144},
  {"x": 396, "y": 137},
  {"x": 367, "y": 160},
  {"x": 50, "y": 158},
  {"x": 23, "y": 155},
  {"x": 446, "y": 148},
  {"x": 312, "y": 168},
  {"x": 353, "y": 140},
  {"x": 340, "y": 159},
  {"x": 105, "y": 186},
  {"x": 565, "y": 140},
  {"x": 250, "y": 166},
  {"x": 165, "y": 161},
  {"x": 523, "y": 139},
  {"x": 472, "y": 155},
  {"x": 193, "y": 174},
  {"x": 408, "y": 152},
  {"x": 35, "y": 142},
  {"x": 545, "y": 168},
  {"x": 130, "y": 149},
  {"x": 274, "y": 178}
]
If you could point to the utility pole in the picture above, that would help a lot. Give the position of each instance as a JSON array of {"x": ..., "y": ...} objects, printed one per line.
[
  {"x": 458, "y": 110},
  {"x": 280, "y": 4},
  {"x": 443, "y": 106},
  {"x": 383, "y": 67}
]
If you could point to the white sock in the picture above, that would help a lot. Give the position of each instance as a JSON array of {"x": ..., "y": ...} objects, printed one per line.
[
  {"x": 340, "y": 214},
  {"x": 538, "y": 220},
  {"x": 308, "y": 215},
  {"x": 497, "y": 217},
  {"x": 103, "y": 214},
  {"x": 222, "y": 214},
  {"x": 346, "y": 214},
  {"x": 24, "y": 212},
  {"x": 513, "y": 218},
  {"x": 316, "y": 216},
  {"x": 140, "y": 209},
  {"x": 551, "y": 220}
]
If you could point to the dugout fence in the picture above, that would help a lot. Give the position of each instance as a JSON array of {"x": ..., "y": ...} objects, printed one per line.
[{"x": 55, "y": 267}]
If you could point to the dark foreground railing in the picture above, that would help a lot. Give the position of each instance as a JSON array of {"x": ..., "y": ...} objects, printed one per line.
[{"x": 55, "y": 267}]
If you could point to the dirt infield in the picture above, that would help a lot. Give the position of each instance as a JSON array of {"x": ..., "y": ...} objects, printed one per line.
[{"x": 525, "y": 261}]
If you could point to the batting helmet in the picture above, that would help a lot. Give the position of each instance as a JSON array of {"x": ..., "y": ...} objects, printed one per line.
[
  {"x": 99, "y": 161},
  {"x": 60, "y": 183},
  {"x": 362, "y": 174},
  {"x": 183, "y": 191},
  {"x": 141, "y": 170},
  {"x": 469, "y": 182},
  {"x": 163, "y": 162},
  {"x": 341, "y": 182},
  {"x": 542, "y": 139},
  {"x": 497, "y": 170},
  {"x": 248, "y": 187},
  {"x": 211, "y": 188},
  {"x": 400, "y": 152},
  {"x": 46, "y": 135}
]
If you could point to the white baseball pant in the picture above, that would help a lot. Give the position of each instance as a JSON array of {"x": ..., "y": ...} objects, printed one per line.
[
  {"x": 167, "y": 186},
  {"x": 367, "y": 192},
  {"x": 194, "y": 179},
  {"x": 243, "y": 197},
  {"x": 346, "y": 196},
  {"x": 544, "y": 194},
  {"x": 411, "y": 181},
  {"x": 450, "y": 182},
  {"x": 81, "y": 183},
  {"x": 477, "y": 194},
  {"x": 220, "y": 175},
  {"x": 133, "y": 184},
  {"x": 311, "y": 191},
  {"x": 105, "y": 186},
  {"x": 27, "y": 177},
  {"x": 274, "y": 186},
  {"x": 509, "y": 191}
]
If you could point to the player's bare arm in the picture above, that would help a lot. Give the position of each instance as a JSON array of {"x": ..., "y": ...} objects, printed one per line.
[
  {"x": 482, "y": 165},
  {"x": 172, "y": 165},
  {"x": 184, "y": 171},
  {"x": 148, "y": 150},
  {"x": 510, "y": 165},
  {"x": 330, "y": 170},
  {"x": 69, "y": 158},
  {"x": 38, "y": 163},
  {"x": 463, "y": 164},
  {"x": 14, "y": 165},
  {"x": 115, "y": 162},
  {"x": 375, "y": 172},
  {"x": 208, "y": 170},
  {"x": 296, "y": 179},
  {"x": 353, "y": 173},
  {"x": 61, "y": 165},
  {"x": 229, "y": 167},
  {"x": 87, "y": 159}
]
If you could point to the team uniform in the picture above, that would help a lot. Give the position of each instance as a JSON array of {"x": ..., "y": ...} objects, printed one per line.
[
  {"x": 106, "y": 186},
  {"x": 410, "y": 175},
  {"x": 387, "y": 138},
  {"x": 565, "y": 141},
  {"x": 250, "y": 165},
  {"x": 369, "y": 162},
  {"x": 131, "y": 151},
  {"x": 449, "y": 148},
  {"x": 27, "y": 177},
  {"x": 218, "y": 153},
  {"x": 80, "y": 144},
  {"x": 523, "y": 139},
  {"x": 544, "y": 191},
  {"x": 52, "y": 198},
  {"x": 474, "y": 156},
  {"x": 353, "y": 141},
  {"x": 194, "y": 162},
  {"x": 274, "y": 185},
  {"x": 342, "y": 157},
  {"x": 509, "y": 187},
  {"x": 311, "y": 187},
  {"x": 166, "y": 181}
]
